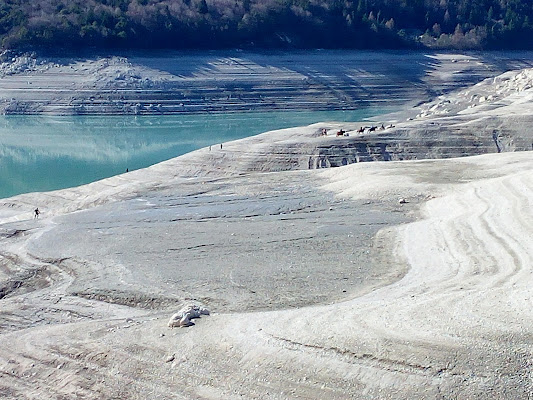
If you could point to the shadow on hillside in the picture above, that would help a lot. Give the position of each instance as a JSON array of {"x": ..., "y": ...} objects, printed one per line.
[{"x": 354, "y": 78}]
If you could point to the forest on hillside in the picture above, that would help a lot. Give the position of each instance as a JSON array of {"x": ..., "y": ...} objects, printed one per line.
[{"x": 200, "y": 24}]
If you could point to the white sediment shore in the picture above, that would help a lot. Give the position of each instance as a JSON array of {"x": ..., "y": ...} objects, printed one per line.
[
  {"x": 320, "y": 283},
  {"x": 190, "y": 82}
]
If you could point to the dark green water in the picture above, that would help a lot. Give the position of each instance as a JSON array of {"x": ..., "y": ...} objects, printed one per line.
[{"x": 41, "y": 153}]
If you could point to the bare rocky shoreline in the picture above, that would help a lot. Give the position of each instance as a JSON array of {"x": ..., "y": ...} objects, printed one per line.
[
  {"x": 406, "y": 279},
  {"x": 200, "y": 82}
]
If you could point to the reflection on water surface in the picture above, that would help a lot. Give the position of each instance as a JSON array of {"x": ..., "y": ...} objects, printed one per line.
[{"x": 40, "y": 153}]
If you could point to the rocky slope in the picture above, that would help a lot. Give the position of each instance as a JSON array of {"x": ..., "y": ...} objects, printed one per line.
[{"x": 238, "y": 81}]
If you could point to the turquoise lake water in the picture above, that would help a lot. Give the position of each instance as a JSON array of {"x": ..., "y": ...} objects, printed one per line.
[{"x": 42, "y": 153}]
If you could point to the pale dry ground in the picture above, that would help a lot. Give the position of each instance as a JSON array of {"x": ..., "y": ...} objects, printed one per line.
[
  {"x": 321, "y": 284},
  {"x": 456, "y": 325},
  {"x": 164, "y": 83}
]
